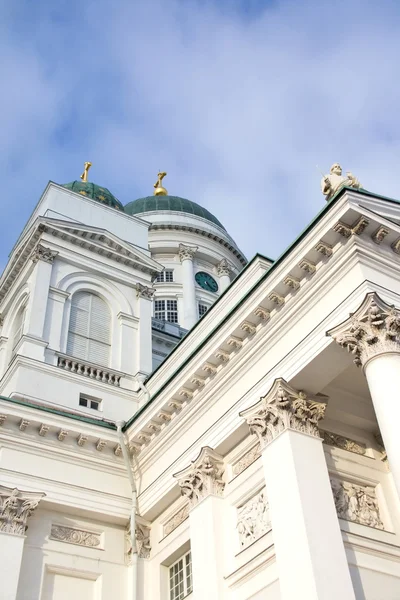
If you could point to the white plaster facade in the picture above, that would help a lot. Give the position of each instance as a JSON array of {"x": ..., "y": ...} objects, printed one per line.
[{"x": 258, "y": 445}]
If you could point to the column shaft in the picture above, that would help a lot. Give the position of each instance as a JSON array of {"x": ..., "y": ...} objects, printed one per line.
[
  {"x": 189, "y": 294},
  {"x": 309, "y": 549},
  {"x": 11, "y": 549},
  {"x": 383, "y": 376}
]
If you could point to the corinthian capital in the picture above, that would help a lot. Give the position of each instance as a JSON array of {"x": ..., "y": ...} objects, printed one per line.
[
  {"x": 186, "y": 252},
  {"x": 15, "y": 508},
  {"x": 203, "y": 477},
  {"x": 223, "y": 268},
  {"x": 43, "y": 253},
  {"x": 372, "y": 330},
  {"x": 283, "y": 408}
]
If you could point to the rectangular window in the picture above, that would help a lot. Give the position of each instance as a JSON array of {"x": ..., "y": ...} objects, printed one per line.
[
  {"x": 202, "y": 309},
  {"x": 89, "y": 402},
  {"x": 180, "y": 578},
  {"x": 166, "y": 310},
  {"x": 166, "y": 276}
]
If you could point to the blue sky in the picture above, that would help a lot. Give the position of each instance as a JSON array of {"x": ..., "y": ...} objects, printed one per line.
[{"x": 237, "y": 100}]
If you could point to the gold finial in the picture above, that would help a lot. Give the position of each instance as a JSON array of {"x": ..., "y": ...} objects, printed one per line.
[
  {"x": 159, "y": 190},
  {"x": 84, "y": 175}
]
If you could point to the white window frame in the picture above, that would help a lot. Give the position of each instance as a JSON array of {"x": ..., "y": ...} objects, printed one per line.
[
  {"x": 91, "y": 402},
  {"x": 167, "y": 313},
  {"x": 88, "y": 337},
  {"x": 166, "y": 276},
  {"x": 180, "y": 579}
]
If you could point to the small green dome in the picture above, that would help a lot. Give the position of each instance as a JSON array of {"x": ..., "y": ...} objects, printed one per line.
[
  {"x": 95, "y": 192},
  {"x": 169, "y": 203}
]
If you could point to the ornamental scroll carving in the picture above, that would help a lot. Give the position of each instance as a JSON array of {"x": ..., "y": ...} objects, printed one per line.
[
  {"x": 373, "y": 329},
  {"x": 15, "y": 508},
  {"x": 176, "y": 520},
  {"x": 246, "y": 460},
  {"x": 356, "y": 503},
  {"x": 43, "y": 253},
  {"x": 143, "y": 546},
  {"x": 203, "y": 477},
  {"x": 142, "y": 291},
  {"x": 283, "y": 408},
  {"x": 223, "y": 268},
  {"x": 253, "y": 519},
  {"x": 78, "y": 537},
  {"x": 338, "y": 441}
]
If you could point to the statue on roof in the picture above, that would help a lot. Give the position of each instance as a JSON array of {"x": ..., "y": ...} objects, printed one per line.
[
  {"x": 331, "y": 184},
  {"x": 84, "y": 175},
  {"x": 159, "y": 190}
]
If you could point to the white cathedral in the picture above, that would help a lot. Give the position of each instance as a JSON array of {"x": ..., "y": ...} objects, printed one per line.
[{"x": 177, "y": 422}]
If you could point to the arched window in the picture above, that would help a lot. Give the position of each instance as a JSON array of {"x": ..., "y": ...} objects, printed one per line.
[{"x": 89, "y": 328}]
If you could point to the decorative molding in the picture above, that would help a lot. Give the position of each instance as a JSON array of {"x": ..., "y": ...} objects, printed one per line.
[
  {"x": 307, "y": 265},
  {"x": 79, "y": 537},
  {"x": 143, "y": 546},
  {"x": 209, "y": 368},
  {"x": 186, "y": 393},
  {"x": 164, "y": 416},
  {"x": 81, "y": 440},
  {"x": 223, "y": 268},
  {"x": 246, "y": 460},
  {"x": 42, "y": 253},
  {"x": 379, "y": 235},
  {"x": 143, "y": 291},
  {"x": 198, "y": 381},
  {"x": 360, "y": 225},
  {"x": 186, "y": 252},
  {"x": 43, "y": 429},
  {"x": 175, "y": 404},
  {"x": 283, "y": 408},
  {"x": 203, "y": 477},
  {"x": 253, "y": 519},
  {"x": 248, "y": 328},
  {"x": 118, "y": 450},
  {"x": 15, "y": 508},
  {"x": 343, "y": 229},
  {"x": 62, "y": 434},
  {"x": 396, "y": 246},
  {"x": 357, "y": 503},
  {"x": 153, "y": 426},
  {"x": 176, "y": 520},
  {"x": 324, "y": 248},
  {"x": 372, "y": 330},
  {"x": 23, "y": 424},
  {"x": 338, "y": 441},
  {"x": 276, "y": 299},
  {"x": 101, "y": 444},
  {"x": 262, "y": 313},
  {"x": 292, "y": 282},
  {"x": 3, "y": 419},
  {"x": 222, "y": 356},
  {"x": 379, "y": 441},
  {"x": 235, "y": 342}
]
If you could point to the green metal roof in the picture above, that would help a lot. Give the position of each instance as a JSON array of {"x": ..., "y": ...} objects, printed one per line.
[
  {"x": 170, "y": 203},
  {"x": 95, "y": 192}
]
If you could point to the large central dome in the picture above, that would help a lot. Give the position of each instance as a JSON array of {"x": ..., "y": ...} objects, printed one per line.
[{"x": 170, "y": 203}]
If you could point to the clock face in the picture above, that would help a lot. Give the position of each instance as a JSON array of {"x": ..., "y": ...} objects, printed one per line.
[{"x": 207, "y": 282}]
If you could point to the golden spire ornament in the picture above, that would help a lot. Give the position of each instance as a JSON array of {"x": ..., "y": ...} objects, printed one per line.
[
  {"x": 84, "y": 175},
  {"x": 159, "y": 190}
]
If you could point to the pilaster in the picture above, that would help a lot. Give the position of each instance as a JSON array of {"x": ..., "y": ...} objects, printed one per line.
[
  {"x": 224, "y": 270},
  {"x": 202, "y": 483},
  {"x": 309, "y": 549},
  {"x": 16, "y": 507}
]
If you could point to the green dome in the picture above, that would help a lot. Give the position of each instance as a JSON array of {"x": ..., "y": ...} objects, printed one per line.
[
  {"x": 170, "y": 203},
  {"x": 95, "y": 192}
]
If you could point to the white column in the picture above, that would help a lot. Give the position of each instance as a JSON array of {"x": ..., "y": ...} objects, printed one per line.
[
  {"x": 144, "y": 362},
  {"x": 15, "y": 508},
  {"x": 224, "y": 270},
  {"x": 202, "y": 483},
  {"x": 190, "y": 316},
  {"x": 39, "y": 290},
  {"x": 372, "y": 335},
  {"x": 310, "y": 554}
]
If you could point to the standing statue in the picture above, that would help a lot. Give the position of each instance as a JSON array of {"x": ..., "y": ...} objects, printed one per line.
[{"x": 331, "y": 184}]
